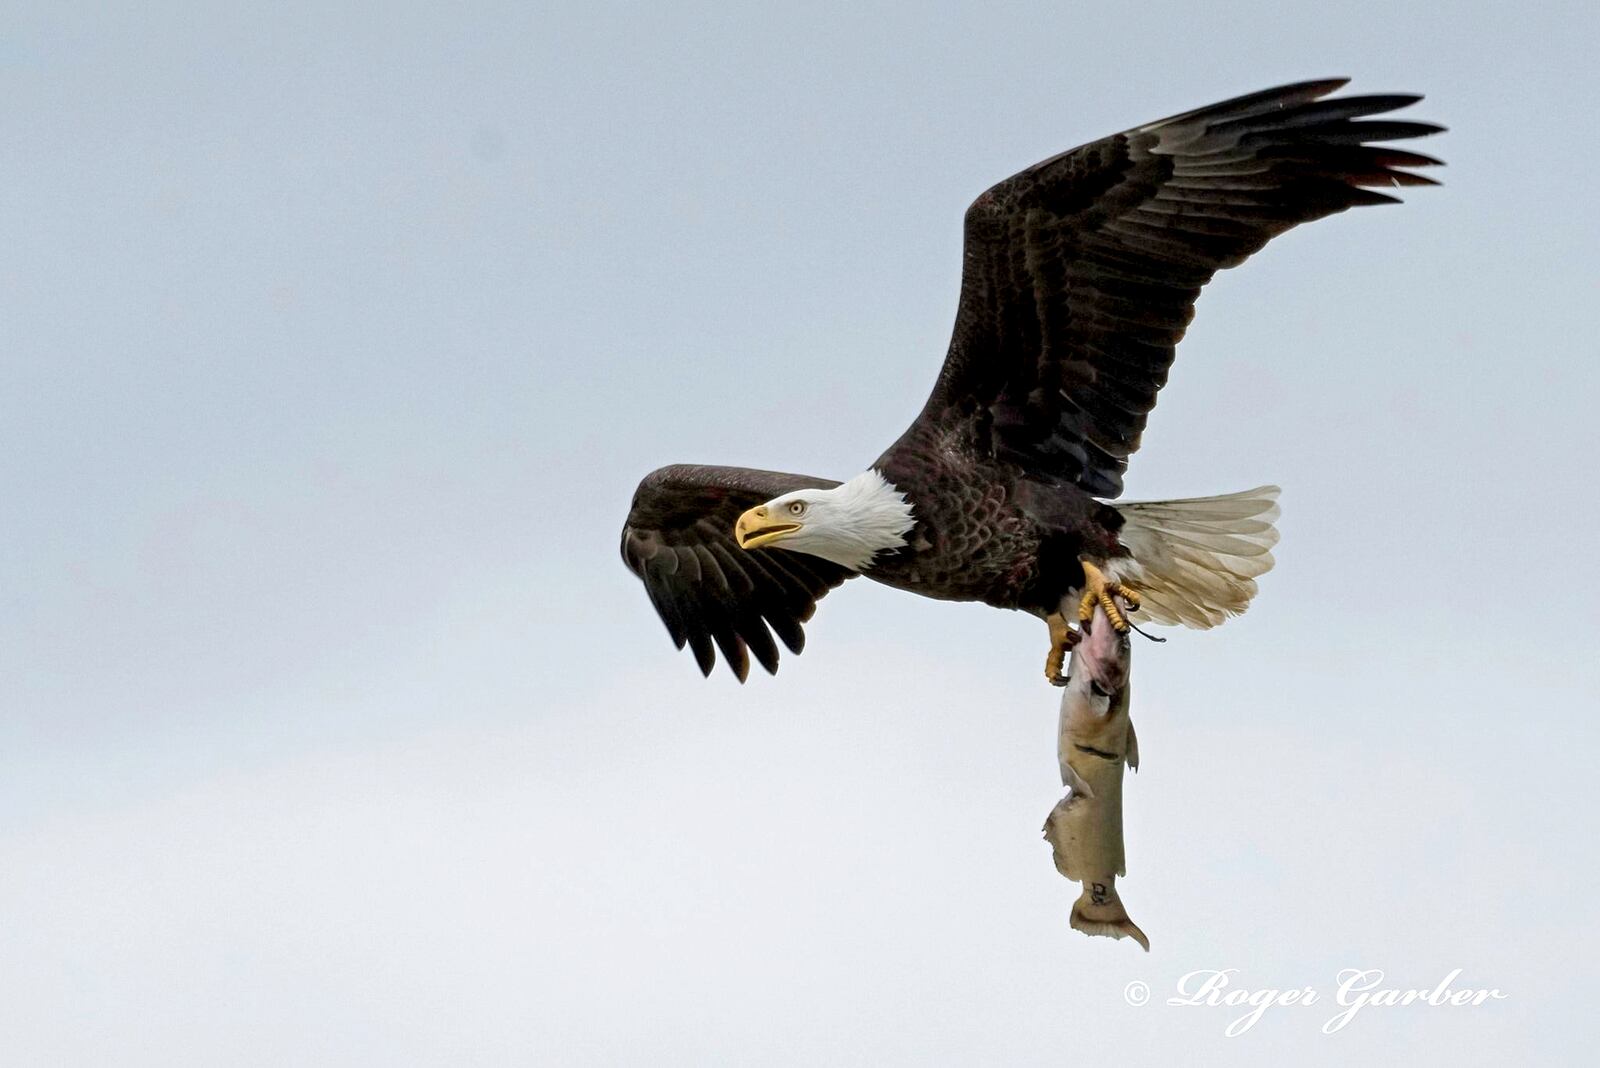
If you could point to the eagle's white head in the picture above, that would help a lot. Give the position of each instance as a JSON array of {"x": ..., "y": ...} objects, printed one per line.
[{"x": 849, "y": 524}]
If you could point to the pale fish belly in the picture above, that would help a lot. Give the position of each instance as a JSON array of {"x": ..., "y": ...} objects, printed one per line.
[{"x": 1095, "y": 744}]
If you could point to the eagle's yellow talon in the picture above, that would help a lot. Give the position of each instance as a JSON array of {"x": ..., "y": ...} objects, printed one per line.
[
  {"x": 1099, "y": 590},
  {"x": 1062, "y": 639}
]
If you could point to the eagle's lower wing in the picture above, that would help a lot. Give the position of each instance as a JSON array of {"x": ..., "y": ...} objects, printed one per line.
[
  {"x": 1081, "y": 272},
  {"x": 679, "y": 540}
]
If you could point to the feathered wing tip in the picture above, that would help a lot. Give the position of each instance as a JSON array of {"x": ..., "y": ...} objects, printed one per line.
[{"x": 1195, "y": 561}]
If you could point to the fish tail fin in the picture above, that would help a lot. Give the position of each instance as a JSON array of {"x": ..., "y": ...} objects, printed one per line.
[
  {"x": 1195, "y": 561},
  {"x": 1099, "y": 911}
]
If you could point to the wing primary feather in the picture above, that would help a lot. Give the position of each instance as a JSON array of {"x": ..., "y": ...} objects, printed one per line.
[
  {"x": 759, "y": 642},
  {"x": 700, "y": 642},
  {"x": 669, "y": 611}
]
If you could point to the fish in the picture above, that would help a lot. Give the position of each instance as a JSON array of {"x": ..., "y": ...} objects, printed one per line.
[{"x": 1094, "y": 743}]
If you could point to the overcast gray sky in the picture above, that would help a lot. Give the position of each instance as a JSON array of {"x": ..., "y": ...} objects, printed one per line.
[{"x": 333, "y": 730}]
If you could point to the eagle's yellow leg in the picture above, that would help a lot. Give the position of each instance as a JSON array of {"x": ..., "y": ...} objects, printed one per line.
[
  {"x": 1062, "y": 639},
  {"x": 1099, "y": 590}
]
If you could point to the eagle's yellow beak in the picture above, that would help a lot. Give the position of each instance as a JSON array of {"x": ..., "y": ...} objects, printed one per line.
[{"x": 757, "y": 528}]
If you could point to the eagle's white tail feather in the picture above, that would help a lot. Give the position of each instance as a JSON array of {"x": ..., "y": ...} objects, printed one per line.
[{"x": 1195, "y": 561}]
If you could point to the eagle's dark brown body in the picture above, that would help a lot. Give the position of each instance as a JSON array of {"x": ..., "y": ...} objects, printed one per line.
[
  {"x": 1079, "y": 279},
  {"x": 987, "y": 530}
]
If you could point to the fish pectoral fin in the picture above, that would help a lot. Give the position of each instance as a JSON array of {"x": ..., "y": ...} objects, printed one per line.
[
  {"x": 1075, "y": 782},
  {"x": 1133, "y": 748}
]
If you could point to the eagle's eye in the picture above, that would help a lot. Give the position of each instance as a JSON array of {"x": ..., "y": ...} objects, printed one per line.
[{"x": 797, "y": 508}]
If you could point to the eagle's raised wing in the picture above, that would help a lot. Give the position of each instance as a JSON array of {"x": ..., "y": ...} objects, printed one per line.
[
  {"x": 679, "y": 540},
  {"x": 1081, "y": 272}
]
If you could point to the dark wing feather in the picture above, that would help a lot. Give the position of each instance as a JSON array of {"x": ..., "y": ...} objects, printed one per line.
[
  {"x": 1081, "y": 272},
  {"x": 710, "y": 593}
]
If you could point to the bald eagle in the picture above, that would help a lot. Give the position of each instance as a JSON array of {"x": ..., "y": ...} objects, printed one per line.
[{"x": 1080, "y": 275}]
